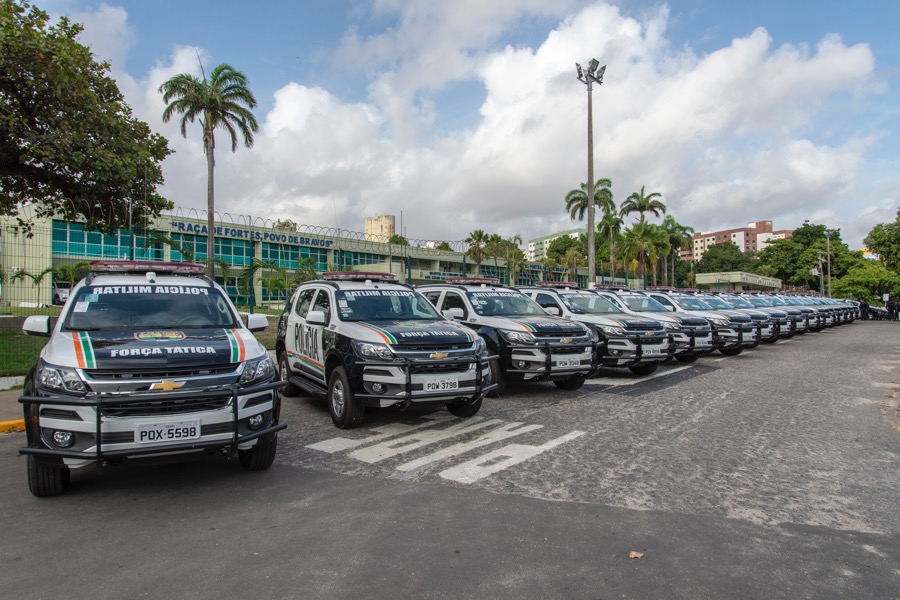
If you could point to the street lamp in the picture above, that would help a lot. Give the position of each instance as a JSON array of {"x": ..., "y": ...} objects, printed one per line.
[{"x": 589, "y": 77}]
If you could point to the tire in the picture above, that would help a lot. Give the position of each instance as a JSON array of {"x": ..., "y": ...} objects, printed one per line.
[
  {"x": 731, "y": 351},
  {"x": 45, "y": 481},
  {"x": 261, "y": 456},
  {"x": 284, "y": 373},
  {"x": 571, "y": 384},
  {"x": 644, "y": 370},
  {"x": 689, "y": 358},
  {"x": 464, "y": 409},
  {"x": 56, "y": 300},
  {"x": 345, "y": 410}
]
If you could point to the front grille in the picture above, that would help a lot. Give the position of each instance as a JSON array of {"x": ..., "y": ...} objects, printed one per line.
[
  {"x": 115, "y": 408},
  {"x": 438, "y": 368},
  {"x": 644, "y": 327},
  {"x": 431, "y": 346},
  {"x": 161, "y": 373},
  {"x": 566, "y": 350},
  {"x": 575, "y": 336}
]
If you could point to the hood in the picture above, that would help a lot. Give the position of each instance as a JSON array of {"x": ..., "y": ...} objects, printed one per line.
[
  {"x": 633, "y": 322},
  {"x": 412, "y": 333},
  {"x": 127, "y": 349},
  {"x": 548, "y": 325}
]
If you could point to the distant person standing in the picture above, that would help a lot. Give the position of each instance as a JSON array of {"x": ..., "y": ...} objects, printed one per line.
[
  {"x": 891, "y": 309},
  {"x": 864, "y": 310}
]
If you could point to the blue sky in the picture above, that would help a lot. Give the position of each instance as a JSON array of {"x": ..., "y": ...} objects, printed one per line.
[{"x": 467, "y": 115}]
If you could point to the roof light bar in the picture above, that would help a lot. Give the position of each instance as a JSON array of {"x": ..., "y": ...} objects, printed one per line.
[
  {"x": 558, "y": 284},
  {"x": 144, "y": 266},
  {"x": 612, "y": 287},
  {"x": 358, "y": 276},
  {"x": 484, "y": 280}
]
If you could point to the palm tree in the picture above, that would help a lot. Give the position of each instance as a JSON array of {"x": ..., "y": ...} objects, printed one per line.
[
  {"x": 640, "y": 202},
  {"x": 514, "y": 257},
  {"x": 477, "y": 240},
  {"x": 577, "y": 200},
  {"x": 680, "y": 237},
  {"x": 224, "y": 100},
  {"x": 610, "y": 226},
  {"x": 72, "y": 272},
  {"x": 644, "y": 243}
]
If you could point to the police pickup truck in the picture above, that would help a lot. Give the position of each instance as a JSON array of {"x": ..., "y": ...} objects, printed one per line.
[
  {"x": 531, "y": 345},
  {"x": 362, "y": 339},
  {"x": 147, "y": 360},
  {"x": 638, "y": 343}
]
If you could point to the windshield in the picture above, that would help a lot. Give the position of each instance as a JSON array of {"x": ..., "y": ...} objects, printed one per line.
[
  {"x": 716, "y": 303},
  {"x": 738, "y": 302},
  {"x": 757, "y": 301},
  {"x": 503, "y": 304},
  {"x": 642, "y": 304},
  {"x": 776, "y": 301},
  {"x": 385, "y": 305},
  {"x": 149, "y": 307},
  {"x": 588, "y": 304},
  {"x": 690, "y": 303}
]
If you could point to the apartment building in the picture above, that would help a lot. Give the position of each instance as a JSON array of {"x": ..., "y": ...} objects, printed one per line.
[
  {"x": 755, "y": 236},
  {"x": 537, "y": 247}
]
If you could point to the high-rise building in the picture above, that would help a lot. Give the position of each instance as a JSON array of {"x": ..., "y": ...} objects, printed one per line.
[
  {"x": 755, "y": 236},
  {"x": 537, "y": 247}
]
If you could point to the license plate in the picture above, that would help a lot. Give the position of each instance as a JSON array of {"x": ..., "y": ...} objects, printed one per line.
[
  {"x": 442, "y": 384},
  {"x": 568, "y": 362},
  {"x": 704, "y": 341},
  {"x": 654, "y": 350},
  {"x": 178, "y": 431}
]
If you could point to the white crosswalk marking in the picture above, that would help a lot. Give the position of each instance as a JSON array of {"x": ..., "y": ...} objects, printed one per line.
[
  {"x": 618, "y": 381},
  {"x": 415, "y": 440},
  {"x": 339, "y": 444},
  {"x": 497, "y": 435},
  {"x": 505, "y": 457}
]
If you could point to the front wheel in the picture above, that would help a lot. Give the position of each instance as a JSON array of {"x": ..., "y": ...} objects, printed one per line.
[
  {"x": 499, "y": 378},
  {"x": 47, "y": 480},
  {"x": 464, "y": 409},
  {"x": 284, "y": 373},
  {"x": 570, "y": 384},
  {"x": 261, "y": 456},
  {"x": 643, "y": 370},
  {"x": 731, "y": 351},
  {"x": 345, "y": 410}
]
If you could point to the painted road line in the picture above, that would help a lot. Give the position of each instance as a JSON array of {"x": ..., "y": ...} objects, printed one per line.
[
  {"x": 418, "y": 439},
  {"x": 339, "y": 444},
  {"x": 616, "y": 381},
  {"x": 501, "y": 459}
]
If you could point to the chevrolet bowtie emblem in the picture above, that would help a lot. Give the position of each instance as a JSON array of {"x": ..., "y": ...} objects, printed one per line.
[
  {"x": 566, "y": 340},
  {"x": 439, "y": 355},
  {"x": 167, "y": 385}
]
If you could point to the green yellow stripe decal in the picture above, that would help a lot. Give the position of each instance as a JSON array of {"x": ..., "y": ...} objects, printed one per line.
[{"x": 385, "y": 334}]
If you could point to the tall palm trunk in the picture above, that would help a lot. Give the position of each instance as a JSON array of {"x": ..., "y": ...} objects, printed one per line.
[{"x": 209, "y": 144}]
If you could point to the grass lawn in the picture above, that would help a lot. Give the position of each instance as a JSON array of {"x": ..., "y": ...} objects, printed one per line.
[{"x": 18, "y": 351}]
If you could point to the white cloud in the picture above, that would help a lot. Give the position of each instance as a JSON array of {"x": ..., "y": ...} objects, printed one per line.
[{"x": 729, "y": 137}]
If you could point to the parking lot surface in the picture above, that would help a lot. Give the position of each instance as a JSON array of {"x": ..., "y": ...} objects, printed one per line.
[{"x": 772, "y": 474}]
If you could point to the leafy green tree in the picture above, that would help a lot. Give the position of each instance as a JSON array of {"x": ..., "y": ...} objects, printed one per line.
[
  {"x": 884, "y": 240},
  {"x": 477, "y": 241},
  {"x": 610, "y": 227},
  {"x": 444, "y": 246},
  {"x": 398, "y": 239},
  {"x": 868, "y": 282},
  {"x": 69, "y": 144},
  {"x": 286, "y": 225},
  {"x": 643, "y": 244},
  {"x": 641, "y": 202},
  {"x": 72, "y": 272},
  {"x": 224, "y": 100},
  {"x": 722, "y": 258},
  {"x": 559, "y": 247}
]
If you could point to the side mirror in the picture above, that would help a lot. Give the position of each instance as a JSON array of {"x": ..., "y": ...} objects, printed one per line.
[
  {"x": 37, "y": 325},
  {"x": 257, "y": 322},
  {"x": 453, "y": 313},
  {"x": 552, "y": 310},
  {"x": 315, "y": 317},
  {"x": 670, "y": 308}
]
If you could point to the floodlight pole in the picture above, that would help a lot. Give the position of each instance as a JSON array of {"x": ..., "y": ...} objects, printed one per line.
[{"x": 588, "y": 77}]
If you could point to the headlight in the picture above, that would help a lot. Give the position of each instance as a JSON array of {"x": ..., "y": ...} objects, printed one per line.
[
  {"x": 718, "y": 322},
  {"x": 610, "y": 330},
  {"x": 60, "y": 378},
  {"x": 257, "y": 369},
  {"x": 381, "y": 351},
  {"x": 518, "y": 337},
  {"x": 480, "y": 347},
  {"x": 672, "y": 325}
]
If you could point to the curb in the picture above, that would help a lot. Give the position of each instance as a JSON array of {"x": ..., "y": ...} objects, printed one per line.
[{"x": 6, "y": 426}]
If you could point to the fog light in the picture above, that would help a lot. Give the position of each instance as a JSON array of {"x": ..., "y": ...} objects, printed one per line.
[
  {"x": 63, "y": 439},
  {"x": 255, "y": 422},
  {"x": 378, "y": 388},
  {"x": 522, "y": 364}
]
